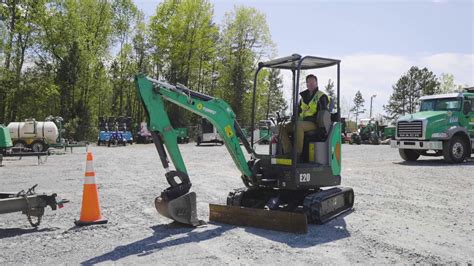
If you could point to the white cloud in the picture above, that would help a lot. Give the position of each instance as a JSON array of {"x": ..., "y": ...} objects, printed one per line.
[
  {"x": 376, "y": 73},
  {"x": 463, "y": 64}
]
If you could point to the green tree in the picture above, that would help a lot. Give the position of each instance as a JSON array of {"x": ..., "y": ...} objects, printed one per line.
[
  {"x": 447, "y": 85},
  {"x": 123, "y": 68},
  {"x": 408, "y": 89},
  {"x": 76, "y": 36},
  {"x": 245, "y": 40},
  {"x": 20, "y": 19},
  {"x": 331, "y": 93},
  {"x": 275, "y": 99},
  {"x": 358, "y": 107},
  {"x": 183, "y": 37}
]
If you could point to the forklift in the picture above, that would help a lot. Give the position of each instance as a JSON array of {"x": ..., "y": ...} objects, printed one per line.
[{"x": 280, "y": 193}]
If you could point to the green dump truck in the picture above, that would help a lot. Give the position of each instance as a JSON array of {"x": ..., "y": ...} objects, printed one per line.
[{"x": 444, "y": 126}]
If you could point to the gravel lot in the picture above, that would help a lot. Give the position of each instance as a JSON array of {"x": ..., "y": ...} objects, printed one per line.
[{"x": 404, "y": 213}]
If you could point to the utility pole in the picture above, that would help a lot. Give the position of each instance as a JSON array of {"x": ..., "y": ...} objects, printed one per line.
[{"x": 371, "y": 97}]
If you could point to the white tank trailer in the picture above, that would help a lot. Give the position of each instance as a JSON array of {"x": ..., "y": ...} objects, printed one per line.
[{"x": 32, "y": 134}]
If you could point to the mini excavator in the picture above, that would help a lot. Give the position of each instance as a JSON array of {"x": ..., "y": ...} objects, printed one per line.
[{"x": 281, "y": 192}]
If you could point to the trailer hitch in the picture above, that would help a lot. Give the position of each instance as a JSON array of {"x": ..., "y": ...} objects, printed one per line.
[{"x": 29, "y": 203}]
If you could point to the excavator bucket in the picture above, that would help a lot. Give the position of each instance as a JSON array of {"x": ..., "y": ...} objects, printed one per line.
[
  {"x": 181, "y": 209},
  {"x": 274, "y": 220}
]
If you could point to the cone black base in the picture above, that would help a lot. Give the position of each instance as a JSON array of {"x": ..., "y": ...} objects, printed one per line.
[{"x": 81, "y": 223}]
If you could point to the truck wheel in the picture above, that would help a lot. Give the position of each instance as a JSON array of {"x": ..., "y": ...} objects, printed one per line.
[
  {"x": 409, "y": 155},
  {"x": 38, "y": 146},
  {"x": 455, "y": 150},
  {"x": 198, "y": 141}
]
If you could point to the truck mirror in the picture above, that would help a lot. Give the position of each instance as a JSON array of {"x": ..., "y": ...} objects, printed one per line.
[{"x": 467, "y": 107}]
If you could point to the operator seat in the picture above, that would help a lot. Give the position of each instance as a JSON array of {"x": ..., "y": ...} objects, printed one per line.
[{"x": 324, "y": 122}]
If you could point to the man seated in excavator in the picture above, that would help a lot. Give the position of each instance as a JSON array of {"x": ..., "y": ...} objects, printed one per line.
[
  {"x": 312, "y": 104},
  {"x": 280, "y": 193}
]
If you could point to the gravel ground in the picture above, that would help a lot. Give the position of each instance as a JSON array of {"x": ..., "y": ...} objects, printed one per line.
[{"x": 404, "y": 213}]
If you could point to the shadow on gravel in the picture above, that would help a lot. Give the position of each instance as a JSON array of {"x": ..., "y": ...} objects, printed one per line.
[
  {"x": 434, "y": 162},
  {"x": 164, "y": 236},
  {"x": 175, "y": 234},
  {"x": 317, "y": 234},
  {"x": 12, "y": 232}
]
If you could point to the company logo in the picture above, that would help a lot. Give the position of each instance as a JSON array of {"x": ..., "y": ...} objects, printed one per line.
[
  {"x": 209, "y": 110},
  {"x": 229, "y": 131}
]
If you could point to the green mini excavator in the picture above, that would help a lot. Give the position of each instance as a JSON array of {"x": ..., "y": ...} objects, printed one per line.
[{"x": 281, "y": 193}]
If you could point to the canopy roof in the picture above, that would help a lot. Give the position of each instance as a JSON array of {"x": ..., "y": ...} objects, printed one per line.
[{"x": 291, "y": 62}]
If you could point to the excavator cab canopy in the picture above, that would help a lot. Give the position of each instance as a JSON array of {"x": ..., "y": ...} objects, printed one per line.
[{"x": 295, "y": 63}]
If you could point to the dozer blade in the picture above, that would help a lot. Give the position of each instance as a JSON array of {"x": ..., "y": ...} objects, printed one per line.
[
  {"x": 274, "y": 220},
  {"x": 182, "y": 209}
]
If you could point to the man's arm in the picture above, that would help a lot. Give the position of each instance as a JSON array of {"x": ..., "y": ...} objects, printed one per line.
[{"x": 323, "y": 103}]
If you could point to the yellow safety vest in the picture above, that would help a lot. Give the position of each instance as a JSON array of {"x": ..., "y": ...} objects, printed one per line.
[{"x": 312, "y": 107}]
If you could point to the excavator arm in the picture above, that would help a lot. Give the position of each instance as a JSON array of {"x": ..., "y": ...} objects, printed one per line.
[{"x": 176, "y": 202}]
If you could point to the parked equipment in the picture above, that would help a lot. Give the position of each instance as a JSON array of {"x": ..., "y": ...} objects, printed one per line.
[
  {"x": 444, "y": 126},
  {"x": 114, "y": 131},
  {"x": 143, "y": 134},
  {"x": 32, "y": 134},
  {"x": 264, "y": 131},
  {"x": 207, "y": 133},
  {"x": 8, "y": 150},
  {"x": 280, "y": 193},
  {"x": 183, "y": 136},
  {"x": 343, "y": 130},
  {"x": 368, "y": 133},
  {"x": 124, "y": 127},
  {"x": 389, "y": 132}
]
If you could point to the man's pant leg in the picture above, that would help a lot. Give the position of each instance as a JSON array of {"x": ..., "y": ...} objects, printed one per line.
[
  {"x": 285, "y": 140},
  {"x": 303, "y": 126}
]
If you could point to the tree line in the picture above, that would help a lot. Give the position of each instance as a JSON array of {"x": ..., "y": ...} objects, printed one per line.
[{"x": 77, "y": 59}]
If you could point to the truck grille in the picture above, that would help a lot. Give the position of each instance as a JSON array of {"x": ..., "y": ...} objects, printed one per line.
[{"x": 407, "y": 129}]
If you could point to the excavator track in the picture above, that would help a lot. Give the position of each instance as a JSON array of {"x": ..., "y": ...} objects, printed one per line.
[{"x": 325, "y": 205}]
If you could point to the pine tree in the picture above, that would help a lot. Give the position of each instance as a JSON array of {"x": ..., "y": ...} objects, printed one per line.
[
  {"x": 331, "y": 93},
  {"x": 358, "y": 107},
  {"x": 408, "y": 89},
  {"x": 275, "y": 100}
]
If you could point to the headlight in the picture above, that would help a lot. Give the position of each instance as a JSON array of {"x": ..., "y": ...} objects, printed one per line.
[{"x": 439, "y": 135}]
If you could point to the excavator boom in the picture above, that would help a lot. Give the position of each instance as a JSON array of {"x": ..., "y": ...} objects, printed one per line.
[{"x": 176, "y": 202}]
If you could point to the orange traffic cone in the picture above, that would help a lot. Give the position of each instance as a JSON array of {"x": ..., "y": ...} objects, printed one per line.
[{"x": 90, "y": 211}]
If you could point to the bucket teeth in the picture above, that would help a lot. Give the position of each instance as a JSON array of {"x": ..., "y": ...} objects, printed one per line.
[{"x": 181, "y": 209}]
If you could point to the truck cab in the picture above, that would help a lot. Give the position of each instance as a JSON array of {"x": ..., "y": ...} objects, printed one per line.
[{"x": 444, "y": 126}]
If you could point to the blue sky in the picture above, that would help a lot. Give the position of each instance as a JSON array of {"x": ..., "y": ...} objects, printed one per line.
[{"x": 377, "y": 41}]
